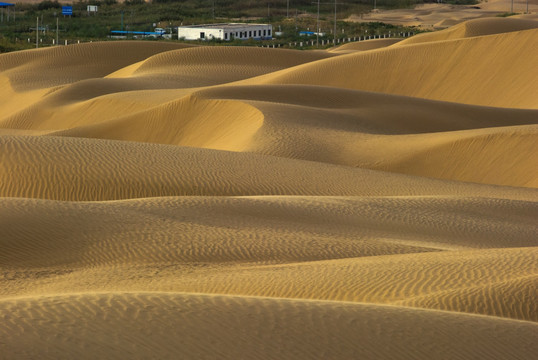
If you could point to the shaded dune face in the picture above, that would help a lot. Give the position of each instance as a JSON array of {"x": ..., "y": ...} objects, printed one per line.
[{"x": 376, "y": 200}]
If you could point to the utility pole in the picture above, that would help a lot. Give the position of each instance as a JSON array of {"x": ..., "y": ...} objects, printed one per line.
[
  {"x": 288, "y": 9},
  {"x": 334, "y": 34},
  {"x": 57, "y": 31},
  {"x": 512, "y": 7},
  {"x": 317, "y": 29},
  {"x": 37, "y": 33}
]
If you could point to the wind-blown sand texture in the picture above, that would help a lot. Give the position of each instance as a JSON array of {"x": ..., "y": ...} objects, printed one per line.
[{"x": 373, "y": 201}]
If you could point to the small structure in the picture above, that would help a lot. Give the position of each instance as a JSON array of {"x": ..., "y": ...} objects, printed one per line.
[
  {"x": 310, "y": 33},
  {"x": 122, "y": 34},
  {"x": 226, "y": 32},
  {"x": 91, "y": 9},
  {"x": 4, "y": 5}
]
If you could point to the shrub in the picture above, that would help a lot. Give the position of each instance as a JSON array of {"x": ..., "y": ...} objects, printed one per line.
[{"x": 48, "y": 4}]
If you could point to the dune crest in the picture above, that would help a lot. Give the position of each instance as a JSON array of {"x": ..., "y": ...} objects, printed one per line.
[{"x": 476, "y": 27}]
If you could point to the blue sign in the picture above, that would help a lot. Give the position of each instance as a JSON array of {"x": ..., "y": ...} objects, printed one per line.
[{"x": 67, "y": 10}]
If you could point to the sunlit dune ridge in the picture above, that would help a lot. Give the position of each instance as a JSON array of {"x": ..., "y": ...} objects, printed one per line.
[{"x": 374, "y": 200}]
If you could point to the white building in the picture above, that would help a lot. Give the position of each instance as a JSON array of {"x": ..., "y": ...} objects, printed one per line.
[{"x": 225, "y": 32}]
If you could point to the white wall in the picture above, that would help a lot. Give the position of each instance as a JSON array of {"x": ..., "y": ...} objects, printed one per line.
[
  {"x": 226, "y": 32},
  {"x": 196, "y": 33}
]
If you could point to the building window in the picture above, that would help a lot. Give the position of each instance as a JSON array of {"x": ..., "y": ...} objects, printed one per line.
[
  {"x": 250, "y": 34},
  {"x": 264, "y": 32},
  {"x": 202, "y": 35},
  {"x": 268, "y": 32},
  {"x": 225, "y": 36}
]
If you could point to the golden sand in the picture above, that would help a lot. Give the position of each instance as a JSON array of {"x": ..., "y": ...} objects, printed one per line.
[
  {"x": 377, "y": 200},
  {"x": 441, "y": 15}
]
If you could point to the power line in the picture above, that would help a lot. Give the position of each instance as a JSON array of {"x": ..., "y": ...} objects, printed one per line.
[{"x": 317, "y": 30}]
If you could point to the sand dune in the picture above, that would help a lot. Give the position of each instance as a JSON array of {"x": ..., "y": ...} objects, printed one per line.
[
  {"x": 85, "y": 170},
  {"x": 441, "y": 15},
  {"x": 202, "y": 327},
  {"x": 477, "y": 27},
  {"x": 357, "y": 133},
  {"x": 377, "y": 200},
  {"x": 352, "y": 226},
  {"x": 487, "y": 70},
  {"x": 366, "y": 130},
  {"x": 365, "y": 45},
  {"x": 356, "y": 243},
  {"x": 206, "y": 66},
  {"x": 66, "y": 64}
]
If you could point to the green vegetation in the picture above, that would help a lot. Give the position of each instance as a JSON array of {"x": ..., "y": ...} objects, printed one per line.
[
  {"x": 137, "y": 15},
  {"x": 507, "y": 14}
]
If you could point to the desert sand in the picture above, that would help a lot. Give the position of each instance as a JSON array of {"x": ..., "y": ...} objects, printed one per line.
[
  {"x": 431, "y": 16},
  {"x": 374, "y": 201}
]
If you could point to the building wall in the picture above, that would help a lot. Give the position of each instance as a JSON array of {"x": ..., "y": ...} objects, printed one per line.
[
  {"x": 199, "y": 33},
  {"x": 226, "y": 33}
]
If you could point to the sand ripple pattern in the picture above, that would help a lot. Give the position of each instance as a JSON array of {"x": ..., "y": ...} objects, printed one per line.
[
  {"x": 377, "y": 200},
  {"x": 206, "y": 327}
]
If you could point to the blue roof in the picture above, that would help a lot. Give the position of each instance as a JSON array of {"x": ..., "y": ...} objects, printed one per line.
[{"x": 3, "y": 4}]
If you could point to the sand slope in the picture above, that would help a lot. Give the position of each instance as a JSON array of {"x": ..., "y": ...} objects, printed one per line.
[
  {"x": 491, "y": 69},
  {"x": 377, "y": 200},
  {"x": 66, "y": 64},
  {"x": 205, "y": 327},
  {"x": 477, "y": 27},
  {"x": 356, "y": 243},
  {"x": 364, "y": 45},
  {"x": 84, "y": 169},
  {"x": 441, "y": 15}
]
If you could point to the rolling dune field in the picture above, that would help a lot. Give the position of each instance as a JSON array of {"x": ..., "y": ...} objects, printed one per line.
[{"x": 373, "y": 201}]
